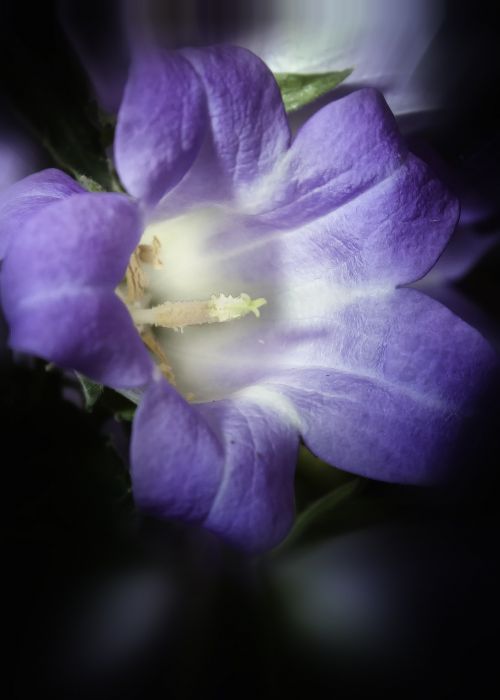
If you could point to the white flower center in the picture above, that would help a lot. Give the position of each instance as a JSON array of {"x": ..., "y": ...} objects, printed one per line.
[{"x": 167, "y": 285}]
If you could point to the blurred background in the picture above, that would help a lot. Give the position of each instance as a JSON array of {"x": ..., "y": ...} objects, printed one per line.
[{"x": 379, "y": 589}]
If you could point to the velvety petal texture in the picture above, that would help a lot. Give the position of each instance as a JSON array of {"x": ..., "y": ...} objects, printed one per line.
[
  {"x": 227, "y": 465},
  {"x": 161, "y": 124},
  {"x": 30, "y": 195},
  {"x": 58, "y": 288},
  {"x": 249, "y": 127},
  {"x": 84, "y": 329},
  {"x": 342, "y": 151},
  {"x": 254, "y": 505},
  {"x": 388, "y": 388},
  {"x": 245, "y": 129},
  {"x": 176, "y": 458},
  {"x": 349, "y": 182}
]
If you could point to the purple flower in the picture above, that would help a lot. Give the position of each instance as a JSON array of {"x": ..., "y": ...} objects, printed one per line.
[
  {"x": 385, "y": 41},
  {"x": 18, "y": 154},
  {"x": 281, "y": 263}
]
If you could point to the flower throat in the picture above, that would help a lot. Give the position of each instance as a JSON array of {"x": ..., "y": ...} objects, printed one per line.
[{"x": 175, "y": 315}]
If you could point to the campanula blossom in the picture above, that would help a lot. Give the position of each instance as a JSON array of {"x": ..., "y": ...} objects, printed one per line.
[
  {"x": 18, "y": 154},
  {"x": 384, "y": 41},
  {"x": 251, "y": 289}
]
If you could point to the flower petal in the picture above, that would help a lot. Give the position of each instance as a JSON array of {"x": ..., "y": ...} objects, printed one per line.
[
  {"x": 226, "y": 465},
  {"x": 342, "y": 151},
  {"x": 254, "y": 505},
  {"x": 176, "y": 460},
  {"x": 382, "y": 385},
  {"x": 30, "y": 195},
  {"x": 83, "y": 241},
  {"x": 88, "y": 330},
  {"x": 161, "y": 124},
  {"x": 247, "y": 132},
  {"x": 391, "y": 234},
  {"x": 366, "y": 216},
  {"x": 389, "y": 392},
  {"x": 248, "y": 122},
  {"x": 58, "y": 288}
]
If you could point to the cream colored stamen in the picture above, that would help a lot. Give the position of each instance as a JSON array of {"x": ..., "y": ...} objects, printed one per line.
[
  {"x": 135, "y": 278},
  {"x": 179, "y": 314},
  {"x": 152, "y": 344},
  {"x": 150, "y": 254}
]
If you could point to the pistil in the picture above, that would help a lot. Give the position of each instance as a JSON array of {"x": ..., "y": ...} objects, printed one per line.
[
  {"x": 179, "y": 314},
  {"x": 175, "y": 315}
]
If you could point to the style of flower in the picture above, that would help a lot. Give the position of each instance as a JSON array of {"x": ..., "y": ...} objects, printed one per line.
[{"x": 250, "y": 286}]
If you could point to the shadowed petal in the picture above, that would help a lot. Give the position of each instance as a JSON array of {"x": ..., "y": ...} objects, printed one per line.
[
  {"x": 255, "y": 502},
  {"x": 388, "y": 389},
  {"x": 176, "y": 459},
  {"x": 342, "y": 151},
  {"x": 83, "y": 241},
  {"x": 356, "y": 215},
  {"x": 58, "y": 288},
  {"x": 391, "y": 234},
  {"x": 382, "y": 385},
  {"x": 226, "y": 465},
  {"x": 247, "y": 132},
  {"x": 88, "y": 330},
  {"x": 247, "y": 118},
  {"x": 161, "y": 124},
  {"x": 467, "y": 247},
  {"x": 28, "y": 196}
]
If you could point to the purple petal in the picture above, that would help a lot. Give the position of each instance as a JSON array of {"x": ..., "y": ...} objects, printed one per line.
[
  {"x": 377, "y": 219},
  {"x": 161, "y": 124},
  {"x": 30, "y": 195},
  {"x": 464, "y": 307},
  {"x": 254, "y": 505},
  {"x": 248, "y": 122},
  {"x": 248, "y": 130},
  {"x": 342, "y": 151},
  {"x": 83, "y": 241},
  {"x": 379, "y": 385},
  {"x": 464, "y": 252},
  {"x": 228, "y": 465},
  {"x": 88, "y": 330},
  {"x": 58, "y": 288},
  {"x": 388, "y": 391},
  {"x": 20, "y": 156},
  {"x": 176, "y": 460},
  {"x": 398, "y": 228},
  {"x": 390, "y": 234}
]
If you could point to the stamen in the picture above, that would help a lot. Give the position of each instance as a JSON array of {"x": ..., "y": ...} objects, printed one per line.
[
  {"x": 179, "y": 314},
  {"x": 135, "y": 293},
  {"x": 150, "y": 254},
  {"x": 154, "y": 346},
  {"x": 135, "y": 278}
]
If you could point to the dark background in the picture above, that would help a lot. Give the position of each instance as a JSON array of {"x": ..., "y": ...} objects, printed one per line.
[{"x": 396, "y": 591}]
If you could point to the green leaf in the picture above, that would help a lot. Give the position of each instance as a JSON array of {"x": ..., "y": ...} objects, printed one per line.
[
  {"x": 298, "y": 89},
  {"x": 318, "y": 511},
  {"x": 89, "y": 184},
  {"x": 126, "y": 414},
  {"x": 92, "y": 391}
]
